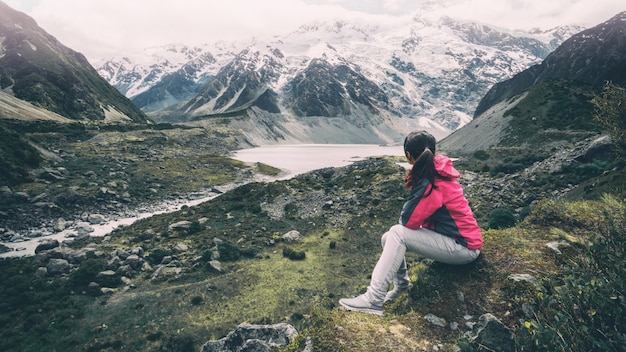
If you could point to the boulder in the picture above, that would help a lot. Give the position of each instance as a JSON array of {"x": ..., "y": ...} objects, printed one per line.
[
  {"x": 180, "y": 248},
  {"x": 182, "y": 226},
  {"x": 46, "y": 245},
  {"x": 96, "y": 219},
  {"x": 60, "y": 225},
  {"x": 58, "y": 266},
  {"x": 71, "y": 196},
  {"x": 292, "y": 236},
  {"x": 600, "y": 148},
  {"x": 492, "y": 334},
  {"x": 134, "y": 261},
  {"x": 4, "y": 249},
  {"x": 215, "y": 265},
  {"x": 83, "y": 228},
  {"x": 254, "y": 338}
]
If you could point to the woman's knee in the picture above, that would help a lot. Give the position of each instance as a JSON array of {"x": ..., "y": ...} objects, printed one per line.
[
  {"x": 383, "y": 238},
  {"x": 394, "y": 230}
]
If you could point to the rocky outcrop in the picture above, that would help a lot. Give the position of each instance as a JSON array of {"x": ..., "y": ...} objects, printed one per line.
[
  {"x": 254, "y": 338},
  {"x": 492, "y": 334}
]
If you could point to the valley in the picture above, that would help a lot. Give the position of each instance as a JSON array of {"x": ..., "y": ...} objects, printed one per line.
[{"x": 260, "y": 243}]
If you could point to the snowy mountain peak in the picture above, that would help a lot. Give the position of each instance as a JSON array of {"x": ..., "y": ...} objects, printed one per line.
[{"x": 436, "y": 68}]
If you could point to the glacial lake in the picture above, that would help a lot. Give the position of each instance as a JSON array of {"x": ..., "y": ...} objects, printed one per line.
[
  {"x": 301, "y": 158},
  {"x": 292, "y": 159}
]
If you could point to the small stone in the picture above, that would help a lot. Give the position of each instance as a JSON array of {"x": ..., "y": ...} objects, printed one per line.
[
  {"x": 433, "y": 319},
  {"x": 523, "y": 277}
]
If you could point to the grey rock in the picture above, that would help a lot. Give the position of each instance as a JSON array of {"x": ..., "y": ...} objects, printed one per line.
[
  {"x": 38, "y": 198},
  {"x": 215, "y": 265},
  {"x": 123, "y": 254},
  {"x": 125, "y": 270},
  {"x": 600, "y": 148},
  {"x": 83, "y": 228},
  {"x": 554, "y": 245},
  {"x": 46, "y": 245},
  {"x": 292, "y": 236},
  {"x": 435, "y": 320},
  {"x": 42, "y": 271},
  {"x": 60, "y": 225},
  {"x": 108, "y": 291},
  {"x": 165, "y": 272},
  {"x": 134, "y": 261},
  {"x": 179, "y": 226},
  {"x": 114, "y": 263},
  {"x": 71, "y": 196},
  {"x": 58, "y": 266},
  {"x": 106, "y": 273},
  {"x": 180, "y": 248},
  {"x": 50, "y": 174},
  {"x": 4, "y": 249},
  {"x": 138, "y": 251},
  {"x": 96, "y": 219},
  {"x": 492, "y": 334},
  {"x": 254, "y": 338},
  {"x": 523, "y": 277}
]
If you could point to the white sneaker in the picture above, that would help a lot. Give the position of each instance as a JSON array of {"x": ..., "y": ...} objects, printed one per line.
[
  {"x": 397, "y": 291},
  {"x": 361, "y": 304}
]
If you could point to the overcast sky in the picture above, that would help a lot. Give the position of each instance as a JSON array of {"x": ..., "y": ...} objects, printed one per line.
[{"x": 105, "y": 28}]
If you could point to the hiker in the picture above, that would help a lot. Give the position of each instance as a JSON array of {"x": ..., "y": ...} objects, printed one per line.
[{"x": 436, "y": 222}]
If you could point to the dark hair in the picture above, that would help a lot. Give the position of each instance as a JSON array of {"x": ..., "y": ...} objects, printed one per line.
[{"x": 421, "y": 145}]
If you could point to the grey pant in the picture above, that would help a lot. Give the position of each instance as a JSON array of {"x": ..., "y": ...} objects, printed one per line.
[{"x": 391, "y": 265}]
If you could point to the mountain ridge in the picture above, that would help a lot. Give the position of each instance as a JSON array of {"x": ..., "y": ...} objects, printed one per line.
[
  {"x": 583, "y": 57},
  {"x": 397, "y": 61},
  {"x": 536, "y": 98},
  {"x": 37, "y": 68}
]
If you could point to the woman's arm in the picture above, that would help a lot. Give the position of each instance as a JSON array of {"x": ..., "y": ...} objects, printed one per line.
[{"x": 419, "y": 208}]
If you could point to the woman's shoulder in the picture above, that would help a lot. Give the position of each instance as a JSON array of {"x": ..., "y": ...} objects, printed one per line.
[{"x": 445, "y": 168}]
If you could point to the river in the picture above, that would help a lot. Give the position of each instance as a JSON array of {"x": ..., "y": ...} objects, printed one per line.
[{"x": 292, "y": 159}]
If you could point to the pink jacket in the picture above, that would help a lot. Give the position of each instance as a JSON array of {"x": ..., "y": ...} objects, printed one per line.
[{"x": 445, "y": 210}]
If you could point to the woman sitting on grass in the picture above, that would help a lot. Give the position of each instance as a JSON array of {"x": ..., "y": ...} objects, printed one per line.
[{"x": 436, "y": 222}]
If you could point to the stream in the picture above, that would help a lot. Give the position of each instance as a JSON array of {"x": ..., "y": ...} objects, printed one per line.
[{"x": 291, "y": 159}]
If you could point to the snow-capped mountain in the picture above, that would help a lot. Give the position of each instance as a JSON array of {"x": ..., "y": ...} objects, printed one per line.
[{"x": 431, "y": 72}]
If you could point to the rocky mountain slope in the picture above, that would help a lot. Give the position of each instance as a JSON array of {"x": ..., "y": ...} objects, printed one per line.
[
  {"x": 594, "y": 56},
  {"x": 37, "y": 68},
  {"x": 429, "y": 73},
  {"x": 549, "y": 104}
]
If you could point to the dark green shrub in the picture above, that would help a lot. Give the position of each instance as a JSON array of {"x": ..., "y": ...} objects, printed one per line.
[
  {"x": 195, "y": 227},
  {"x": 291, "y": 210},
  {"x": 108, "y": 280},
  {"x": 611, "y": 115},
  {"x": 229, "y": 251},
  {"x": 501, "y": 218},
  {"x": 87, "y": 272},
  {"x": 481, "y": 155},
  {"x": 584, "y": 309},
  {"x": 17, "y": 156},
  {"x": 197, "y": 300}
]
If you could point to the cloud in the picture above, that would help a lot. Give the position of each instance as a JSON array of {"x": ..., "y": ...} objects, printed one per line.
[
  {"x": 101, "y": 28},
  {"x": 527, "y": 14},
  {"x": 105, "y": 28}
]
